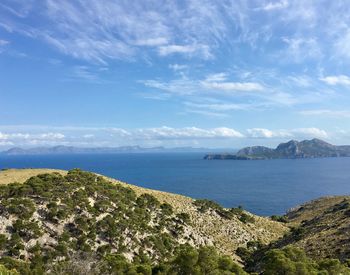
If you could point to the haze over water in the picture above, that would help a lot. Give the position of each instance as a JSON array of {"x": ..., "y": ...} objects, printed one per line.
[{"x": 263, "y": 187}]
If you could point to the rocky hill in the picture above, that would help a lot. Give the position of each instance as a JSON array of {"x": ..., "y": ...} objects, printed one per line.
[
  {"x": 76, "y": 222},
  {"x": 292, "y": 149},
  {"x": 62, "y": 212}
]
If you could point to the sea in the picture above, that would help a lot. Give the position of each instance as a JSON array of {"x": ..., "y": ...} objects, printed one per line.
[{"x": 263, "y": 187}]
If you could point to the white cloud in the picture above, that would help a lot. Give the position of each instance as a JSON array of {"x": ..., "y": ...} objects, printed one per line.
[
  {"x": 115, "y": 136},
  {"x": 3, "y": 136},
  {"x": 187, "y": 86},
  {"x": 4, "y": 42},
  {"x": 189, "y": 50},
  {"x": 187, "y": 133},
  {"x": 178, "y": 67},
  {"x": 217, "y": 82},
  {"x": 83, "y": 72},
  {"x": 152, "y": 41},
  {"x": 182, "y": 86},
  {"x": 216, "y": 77},
  {"x": 6, "y": 143},
  {"x": 310, "y": 132},
  {"x": 342, "y": 44},
  {"x": 336, "y": 80},
  {"x": 206, "y": 113},
  {"x": 156, "y": 136},
  {"x": 301, "y": 48},
  {"x": 287, "y": 133},
  {"x": 51, "y": 136},
  {"x": 266, "y": 133},
  {"x": 220, "y": 106},
  {"x": 99, "y": 31},
  {"x": 275, "y": 5},
  {"x": 233, "y": 86},
  {"x": 301, "y": 80},
  {"x": 327, "y": 113},
  {"x": 25, "y": 139}
]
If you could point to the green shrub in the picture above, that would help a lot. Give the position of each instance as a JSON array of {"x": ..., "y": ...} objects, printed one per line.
[
  {"x": 5, "y": 271},
  {"x": 277, "y": 218},
  {"x": 21, "y": 207},
  {"x": 293, "y": 260},
  {"x": 245, "y": 218}
]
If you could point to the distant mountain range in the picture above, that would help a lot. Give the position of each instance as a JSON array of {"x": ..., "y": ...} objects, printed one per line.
[
  {"x": 97, "y": 150},
  {"x": 314, "y": 148}
]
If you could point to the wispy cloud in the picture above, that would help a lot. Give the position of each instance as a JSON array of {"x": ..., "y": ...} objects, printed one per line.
[
  {"x": 327, "y": 113},
  {"x": 213, "y": 82},
  {"x": 3, "y": 42},
  {"x": 336, "y": 80},
  {"x": 189, "y": 50},
  {"x": 152, "y": 41},
  {"x": 178, "y": 67},
  {"x": 100, "y": 32},
  {"x": 220, "y": 106},
  {"x": 300, "y": 48},
  {"x": 233, "y": 86},
  {"x": 270, "y": 6}
]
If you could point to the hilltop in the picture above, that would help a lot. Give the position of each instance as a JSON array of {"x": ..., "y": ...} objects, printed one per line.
[{"x": 314, "y": 148}]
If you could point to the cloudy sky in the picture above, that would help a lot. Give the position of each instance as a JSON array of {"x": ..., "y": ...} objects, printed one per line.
[{"x": 173, "y": 73}]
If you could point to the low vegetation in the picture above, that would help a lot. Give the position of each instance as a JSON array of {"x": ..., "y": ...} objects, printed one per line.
[
  {"x": 51, "y": 217},
  {"x": 208, "y": 205},
  {"x": 81, "y": 223}
]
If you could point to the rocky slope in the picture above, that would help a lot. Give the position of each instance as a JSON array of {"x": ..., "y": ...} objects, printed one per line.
[
  {"x": 75, "y": 222},
  {"x": 292, "y": 149},
  {"x": 204, "y": 227},
  {"x": 321, "y": 227}
]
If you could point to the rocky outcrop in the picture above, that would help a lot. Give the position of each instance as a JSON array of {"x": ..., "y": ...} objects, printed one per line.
[{"x": 292, "y": 149}]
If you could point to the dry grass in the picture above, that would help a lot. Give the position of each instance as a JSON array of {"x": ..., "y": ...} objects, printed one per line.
[
  {"x": 325, "y": 225},
  {"x": 21, "y": 175},
  {"x": 312, "y": 209}
]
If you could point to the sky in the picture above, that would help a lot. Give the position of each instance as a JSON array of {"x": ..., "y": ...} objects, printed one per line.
[{"x": 201, "y": 73}]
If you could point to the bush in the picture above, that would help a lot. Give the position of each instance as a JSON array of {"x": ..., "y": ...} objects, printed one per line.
[
  {"x": 293, "y": 260},
  {"x": 277, "y": 218},
  {"x": 5, "y": 271},
  {"x": 245, "y": 218}
]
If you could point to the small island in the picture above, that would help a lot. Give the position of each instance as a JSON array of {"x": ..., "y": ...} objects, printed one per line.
[{"x": 314, "y": 148}]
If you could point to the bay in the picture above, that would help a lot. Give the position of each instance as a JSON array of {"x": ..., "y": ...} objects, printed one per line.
[{"x": 263, "y": 187}]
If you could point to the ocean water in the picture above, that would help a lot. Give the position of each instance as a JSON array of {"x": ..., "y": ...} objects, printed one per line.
[{"x": 263, "y": 187}]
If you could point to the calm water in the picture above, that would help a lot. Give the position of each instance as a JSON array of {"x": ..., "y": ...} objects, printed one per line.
[{"x": 262, "y": 187}]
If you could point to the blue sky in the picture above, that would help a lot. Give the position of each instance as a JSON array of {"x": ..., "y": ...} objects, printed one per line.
[{"x": 181, "y": 73}]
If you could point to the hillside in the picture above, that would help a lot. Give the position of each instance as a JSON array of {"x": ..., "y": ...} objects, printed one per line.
[
  {"x": 76, "y": 222},
  {"x": 65, "y": 212},
  {"x": 292, "y": 149},
  {"x": 321, "y": 227}
]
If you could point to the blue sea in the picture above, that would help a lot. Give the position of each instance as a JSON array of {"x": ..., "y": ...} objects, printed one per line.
[{"x": 263, "y": 187}]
